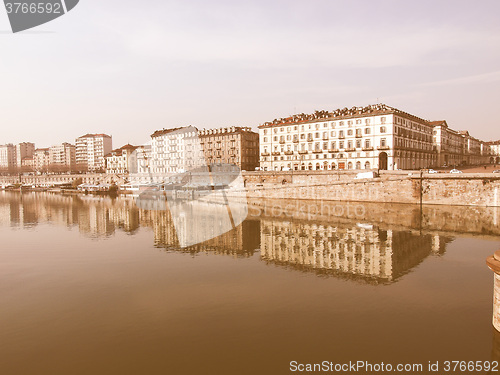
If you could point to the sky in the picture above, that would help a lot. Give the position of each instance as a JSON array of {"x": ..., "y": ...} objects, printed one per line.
[{"x": 128, "y": 68}]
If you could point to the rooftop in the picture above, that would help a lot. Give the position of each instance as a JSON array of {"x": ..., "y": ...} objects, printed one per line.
[{"x": 338, "y": 114}]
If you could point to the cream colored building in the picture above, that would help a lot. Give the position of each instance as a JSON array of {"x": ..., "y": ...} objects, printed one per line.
[
  {"x": 62, "y": 158},
  {"x": 90, "y": 151},
  {"x": 372, "y": 137},
  {"x": 41, "y": 160},
  {"x": 494, "y": 150},
  {"x": 175, "y": 151},
  {"x": 7, "y": 158},
  {"x": 449, "y": 144},
  {"x": 122, "y": 160}
]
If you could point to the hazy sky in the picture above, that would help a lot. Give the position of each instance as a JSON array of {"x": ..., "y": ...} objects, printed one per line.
[{"x": 127, "y": 68}]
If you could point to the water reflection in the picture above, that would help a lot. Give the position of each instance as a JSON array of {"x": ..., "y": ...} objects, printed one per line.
[
  {"x": 374, "y": 243},
  {"x": 351, "y": 251}
]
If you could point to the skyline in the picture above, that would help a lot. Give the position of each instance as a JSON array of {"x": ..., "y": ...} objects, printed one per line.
[{"x": 126, "y": 71}]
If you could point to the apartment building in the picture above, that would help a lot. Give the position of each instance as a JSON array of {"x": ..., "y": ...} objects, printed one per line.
[
  {"x": 232, "y": 145},
  {"x": 494, "y": 151},
  {"x": 122, "y": 160},
  {"x": 41, "y": 160},
  {"x": 175, "y": 150},
  {"x": 62, "y": 158},
  {"x": 24, "y": 151},
  {"x": 7, "y": 158},
  {"x": 376, "y": 136},
  {"x": 90, "y": 152},
  {"x": 449, "y": 144}
]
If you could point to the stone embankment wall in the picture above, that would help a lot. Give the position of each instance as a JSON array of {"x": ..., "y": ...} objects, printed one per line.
[{"x": 390, "y": 187}]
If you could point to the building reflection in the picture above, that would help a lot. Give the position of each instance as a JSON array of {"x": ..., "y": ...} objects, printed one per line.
[
  {"x": 354, "y": 251},
  {"x": 339, "y": 247}
]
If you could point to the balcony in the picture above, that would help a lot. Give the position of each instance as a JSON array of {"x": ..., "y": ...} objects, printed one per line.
[
  {"x": 382, "y": 147},
  {"x": 341, "y": 136},
  {"x": 288, "y": 152},
  {"x": 367, "y": 149},
  {"x": 317, "y": 151},
  {"x": 282, "y": 141},
  {"x": 333, "y": 150},
  {"x": 303, "y": 152},
  {"x": 276, "y": 153},
  {"x": 325, "y": 138},
  {"x": 359, "y": 135},
  {"x": 264, "y": 154},
  {"x": 350, "y": 149}
]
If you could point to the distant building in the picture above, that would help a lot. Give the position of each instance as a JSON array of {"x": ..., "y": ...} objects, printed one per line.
[
  {"x": 41, "y": 160},
  {"x": 62, "y": 158},
  {"x": 90, "y": 151},
  {"x": 448, "y": 143},
  {"x": 122, "y": 160},
  {"x": 27, "y": 164},
  {"x": 7, "y": 158},
  {"x": 24, "y": 150},
  {"x": 175, "y": 150},
  {"x": 494, "y": 151},
  {"x": 232, "y": 145}
]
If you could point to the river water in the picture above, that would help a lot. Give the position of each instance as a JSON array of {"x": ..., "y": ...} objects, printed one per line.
[{"x": 94, "y": 285}]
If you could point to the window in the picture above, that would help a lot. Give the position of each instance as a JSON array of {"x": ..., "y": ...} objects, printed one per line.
[
  {"x": 265, "y": 131},
  {"x": 367, "y": 143},
  {"x": 341, "y": 134},
  {"x": 333, "y": 145},
  {"x": 358, "y": 121},
  {"x": 275, "y": 138},
  {"x": 333, "y": 133},
  {"x": 358, "y": 143},
  {"x": 333, "y": 125},
  {"x": 383, "y": 142},
  {"x": 316, "y": 135},
  {"x": 349, "y": 144},
  {"x": 349, "y": 132},
  {"x": 382, "y": 120},
  {"x": 367, "y": 121},
  {"x": 265, "y": 139},
  {"x": 341, "y": 123},
  {"x": 367, "y": 131},
  {"x": 341, "y": 144},
  {"x": 383, "y": 129},
  {"x": 282, "y": 129}
]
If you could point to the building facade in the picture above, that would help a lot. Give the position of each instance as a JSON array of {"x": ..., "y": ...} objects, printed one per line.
[
  {"x": 449, "y": 144},
  {"x": 24, "y": 150},
  {"x": 233, "y": 145},
  {"x": 90, "y": 152},
  {"x": 175, "y": 151},
  {"x": 62, "y": 158},
  {"x": 41, "y": 160},
  {"x": 121, "y": 160},
  {"x": 494, "y": 152},
  {"x": 7, "y": 158},
  {"x": 372, "y": 137}
]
